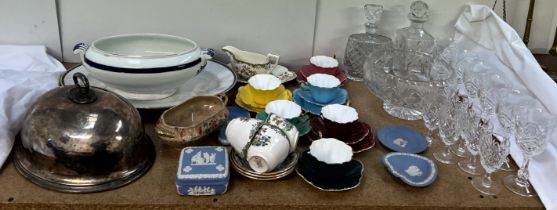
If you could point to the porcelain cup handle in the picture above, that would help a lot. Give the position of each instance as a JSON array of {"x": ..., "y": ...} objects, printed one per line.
[
  {"x": 304, "y": 86},
  {"x": 80, "y": 49},
  {"x": 223, "y": 98},
  {"x": 274, "y": 60},
  {"x": 206, "y": 54}
]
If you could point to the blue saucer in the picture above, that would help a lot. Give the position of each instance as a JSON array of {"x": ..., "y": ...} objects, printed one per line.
[
  {"x": 414, "y": 170},
  {"x": 307, "y": 106},
  {"x": 402, "y": 139},
  {"x": 233, "y": 112},
  {"x": 341, "y": 97}
]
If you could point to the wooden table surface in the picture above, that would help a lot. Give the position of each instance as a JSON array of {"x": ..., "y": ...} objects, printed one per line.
[{"x": 378, "y": 190}]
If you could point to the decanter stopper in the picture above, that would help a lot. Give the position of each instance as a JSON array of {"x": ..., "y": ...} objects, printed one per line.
[
  {"x": 373, "y": 14},
  {"x": 419, "y": 12}
]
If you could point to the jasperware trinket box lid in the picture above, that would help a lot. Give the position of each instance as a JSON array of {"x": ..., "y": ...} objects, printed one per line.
[
  {"x": 83, "y": 139},
  {"x": 203, "y": 170}
]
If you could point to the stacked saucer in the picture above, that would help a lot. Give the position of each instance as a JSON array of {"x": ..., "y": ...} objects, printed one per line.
[
  {"x": 320, "y": 90},
  {"x": 284, "y": 169},
  {"x": 260, "y": 90},
  {"x": 328, "y": 166},
  {"x": 341, "y": 122}
]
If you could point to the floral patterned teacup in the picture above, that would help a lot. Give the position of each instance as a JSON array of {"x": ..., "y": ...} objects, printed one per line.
[{"x": 264, "y": 144}]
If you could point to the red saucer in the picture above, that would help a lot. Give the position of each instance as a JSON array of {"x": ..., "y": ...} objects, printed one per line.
[
  {"x": 365, "y": 144},
  {"x": 310, "y": 69}
]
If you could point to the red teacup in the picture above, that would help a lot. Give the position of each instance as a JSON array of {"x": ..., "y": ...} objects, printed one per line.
[
  {"x": 310, "y": 69},
  {"x": 347, "y": 132}
]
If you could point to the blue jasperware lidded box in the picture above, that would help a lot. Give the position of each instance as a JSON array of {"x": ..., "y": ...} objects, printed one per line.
[{"x": 203, "y": 171}]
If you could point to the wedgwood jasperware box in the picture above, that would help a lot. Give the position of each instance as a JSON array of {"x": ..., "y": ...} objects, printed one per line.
[{"x": 203, "y": 171}]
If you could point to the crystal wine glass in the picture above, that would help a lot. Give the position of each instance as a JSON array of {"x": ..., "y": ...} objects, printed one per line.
[
  {"x": 430, "y": 113},
  {"x": 533, "y": 128},
  {"x": 447, "y": 132},
  {"x": 511, "y": 98},
  {"x": 494, "y": 148},
  {"x": 474, "y": 126}
]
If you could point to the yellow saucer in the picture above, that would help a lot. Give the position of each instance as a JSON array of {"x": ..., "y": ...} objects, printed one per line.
[
  {"x": 254, "y": 98},
  {"x": 286, "y": 95}
]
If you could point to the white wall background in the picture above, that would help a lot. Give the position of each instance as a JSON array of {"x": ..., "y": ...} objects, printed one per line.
[
  {"x": 283, "y": 27},
  {"x": 30, "y": 22},
  {"x": 294, "y": 29}
]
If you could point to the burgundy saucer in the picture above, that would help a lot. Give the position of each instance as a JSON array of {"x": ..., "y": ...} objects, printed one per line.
[
  {"x": 366, "y": 144},
  {"x": 310, "y": 69},
  {"x": 358, "y": 135}
]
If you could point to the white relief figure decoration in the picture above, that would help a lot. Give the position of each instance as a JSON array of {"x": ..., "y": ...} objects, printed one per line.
[
  {"x": 400, "y": 142},
  {"x": 414, "y": 171},
  {"x": 199, "y": 190},
  {"x": 203, "y": 158},
  {"x": 220, "y": 167},
  {"x": 189, "y": 150},
  {"x": 187, "y": 169}
]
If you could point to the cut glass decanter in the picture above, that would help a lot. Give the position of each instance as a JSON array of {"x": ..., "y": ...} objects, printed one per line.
[
  {"x": 360, "y": 45},
  {"x": 414, "y": 41}
]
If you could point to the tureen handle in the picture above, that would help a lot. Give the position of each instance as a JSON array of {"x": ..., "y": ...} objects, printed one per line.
[
  {"x": 223, "y": 98},
  {"x": 80, "y": 49},
  {"x": 206, "y": 54}
]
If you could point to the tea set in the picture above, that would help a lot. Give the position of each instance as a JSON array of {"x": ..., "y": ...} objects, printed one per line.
[
  {"x": 341, "y": 122},
  {"x": 321, "y": 65},
  {"x": 320, "y": 90},
  {"x": 328, "y": 166},
  {"x": 264, "y": 144},
  {"x": 260, "y": 90}
]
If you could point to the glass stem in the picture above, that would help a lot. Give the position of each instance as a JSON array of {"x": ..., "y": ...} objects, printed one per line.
[
  {"x": 523, "y": 174},
  {"x": 447, "y": 150},
  {"x": 486, "y": 180},
  {"x": 474, "y": 161},
  {"x": 430, "y": 136}
]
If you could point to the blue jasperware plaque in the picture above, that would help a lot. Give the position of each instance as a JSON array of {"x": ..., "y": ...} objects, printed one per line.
[{"x": 202, "y": 171}]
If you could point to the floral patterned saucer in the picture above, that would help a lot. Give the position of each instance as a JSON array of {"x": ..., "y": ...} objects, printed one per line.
[
  {"x": 284, "y": 169},
  {"x": 279, "y": 71}
]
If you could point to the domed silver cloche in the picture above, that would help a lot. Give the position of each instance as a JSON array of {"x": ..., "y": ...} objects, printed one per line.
[{"x": 82, "y": 139}]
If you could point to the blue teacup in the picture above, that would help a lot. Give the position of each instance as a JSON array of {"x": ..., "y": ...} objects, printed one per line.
[
  {"x": 323, "y": 87},
  {"x": 321, "y": 95}
]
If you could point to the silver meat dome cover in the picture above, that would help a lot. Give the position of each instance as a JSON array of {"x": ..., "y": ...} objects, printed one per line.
[{"x": 82, "y": 139}]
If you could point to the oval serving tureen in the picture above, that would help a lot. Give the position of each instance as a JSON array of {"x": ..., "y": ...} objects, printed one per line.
[{"x": 143, "y": 66}]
